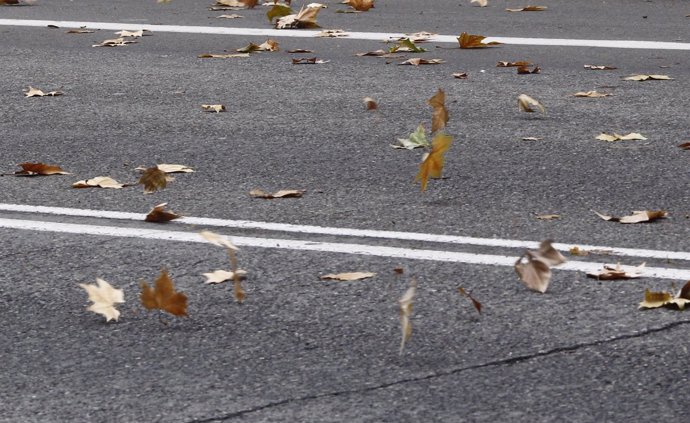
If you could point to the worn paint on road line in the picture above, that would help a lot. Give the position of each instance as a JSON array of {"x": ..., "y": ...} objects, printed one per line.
[
  {"x": 324, "y": 247},
  {"x": 209, "y": 30},
  {"x": 360, "y": 233}
]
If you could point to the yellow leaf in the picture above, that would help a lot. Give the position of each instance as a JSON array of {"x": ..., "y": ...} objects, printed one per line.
[
  {"x": 633, "y": 136},
  {"x": 432, "y": 165},
  {"x": 351, "y": 276},
  {"x": 104, "y": 298},
  {"x": 440, "y": 113},
  {"x": 474, "y": 41}
]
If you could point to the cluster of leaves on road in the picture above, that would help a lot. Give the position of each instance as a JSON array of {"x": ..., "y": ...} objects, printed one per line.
[{"x": 533, "y": 268}]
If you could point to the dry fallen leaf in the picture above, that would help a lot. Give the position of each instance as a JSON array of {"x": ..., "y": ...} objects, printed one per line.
[
  {"x": 174, "y": 168},
  {"x": 600, "y": 67},
  {"x": 460, "y": 75},
  {"x": 308, "y": 61},
  {"x": 80, "y": 31},
  {"x": 153, "y": 179},
  {"x": 104, "y": 298},
  {"x": 99, "y": 182},
  {"x": 577, "y": 251},
  {"x": 220, "y": 241},
  {"x": 35, "y": 92},
  {"x": 432, "y": 164},
  {"x": 222, "y": 56},
  {"x": 480, "y": 3},
  {"x": 279, "y": 11},
  {"x": 525, "y": 70},
  {"x": 306, "y": 18},
  {"x": 474, "y": 41},
  {"x": 647, "y": 78},
  {"x": 332, "y": 33},
  {"x": 534, "y": 267},
  {"x": 528, "y": 9},
  {"x": 9, "y": 2},
  {"x": 370, "y": 103},
  {"x": 232, "y": 16},
  {"x": 591, "y": 94},
  {"x": 531, "y": 138},
  {"x": 405, "y": 303},
  {"x": 40, "y": 169},
  {"x": 302, "y": 50},
  {"x": 132, "y": 34},
  {"x": 360, "y": 5},
  {"x": 633, "y": 136},
  {"x": 116, "y": 42},
  {"x": 548, "y": 216},
  {"x": 163, "y": 296},
  {"x": 610, "y": 273},
  {"x": 219, "y": 276},
  {"x": 217, "y": 108},
  {"x": 238, "y": 4},
  {"x": 513, "y": 64},
  {"x": 528, "y": 104},
  {"x": 636, "y": 216},
  {"x": 684, "y": 146},
  {"x": 477, "y": 305},
  {"x": 416, "y": 61},
  {"x": 665, "y": 299},
  {"x": 349, "y": 276},
  {"x": 415, "y": 140},
  {"x": 440, "y": 113},
  {"x": 378, "y": 53},
  {"x": 158, "y": 214},
  {"x": 268, "y": 45},
  {"x": 406, "y": 45},
  {"x": 285, "y": 193}
]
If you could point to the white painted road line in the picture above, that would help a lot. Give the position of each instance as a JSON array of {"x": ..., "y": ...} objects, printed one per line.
[
  {"x": 361, "y": 233},
  {"x": 327, "y": 247},
  {"x": 378, "y": 36}
]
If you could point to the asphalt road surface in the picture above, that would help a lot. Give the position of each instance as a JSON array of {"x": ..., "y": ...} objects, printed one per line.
[{"x": 303, "y": 349}]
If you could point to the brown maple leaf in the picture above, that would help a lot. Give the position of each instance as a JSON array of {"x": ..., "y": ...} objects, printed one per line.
[
  {"x": 440, "y": 113},
  {"x": 432, "y": 165},
  {"x": 163, "y": 296},
  {"x": 474, "y": 41},
  {"x": 153, "y": 179}
]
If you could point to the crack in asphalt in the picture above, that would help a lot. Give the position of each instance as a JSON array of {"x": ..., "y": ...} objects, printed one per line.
[{"x": 501, "y": 362}]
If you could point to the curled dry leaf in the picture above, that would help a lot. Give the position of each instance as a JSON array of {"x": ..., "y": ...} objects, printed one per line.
[
  {"x": 99, "y": 182},
  {"x": 480, "y": 3},
  {"x": 133, "y": 34},
  {"x": 302, "y": 50},
  {"x": 513, "y": 64},
  {"x": 548, "y": 216},
  {"x": 577, "y": 251},
  {"x": 633, "y": 136},
  {"x": 222, "y": 56},
  {"x": 528, "y": 104},
  {"x": 306, "y": 18},
  {"x": 218, "y": 240},
  {"x": 9, "y": 2},
  {"x": 219, "y": 276},
  {"x": 232, "y": 16},
  {"x": 158, "y": 214},
  {"x": 285, "y": 193},
  {"x": 405, "y": 303},
  {"x": 370, "y": 103},
  {"x": 534, "y": 267},
  {"x": 378, "y": 53},
  {"x": 647, "y": 78},
  {"x": 590, "y": 94},
  {"x": 153, "y": 179},
  {"x": 163, "y": 296},
  {"x": 406, "y": 45},
  {"x": 360, "y": 5},
  {"x": 460, "y": 75},
  {"x": 268, "y": 45},
  {"x": 237, "y": 4},
  {"x": 416, "y": 139},
  {"x": 477, "y": 305},
  {"x": 39, "y": 169},
  {"x": 349, "y": 276},
  {"x": 528, "y": 9},
  {"x": 116, "y": 42},
  {"x": 639, "y": 216},
  {"x": 531, "y": 138},
  {"x": 665, "y": 299},
  {"x": 467, "y": 41},
  {"x": 439, "y": 117},
  {"x": 432, "y": 164},
  {"x": 35, "y": 92},
  {"x": 174, "y": 168},
  {"x": 416, "y": 61},
  {"x": 217, "y": 108},
  {"x": 80, "y": 31},
  {"x": 600, "y": 67},
  {"x": 332, "y": 33},
  {"x": 318, "y": 5},
  {"x": 525, "y": 70},
  {"x": 308, "y": 61},
  {"x": 684, "y": 146},
  {"x": 104, "y": 298},
  {"x": 610, "y": 273}
]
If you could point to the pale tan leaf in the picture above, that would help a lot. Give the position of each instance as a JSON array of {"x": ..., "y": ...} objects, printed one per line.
[
  {"x": 231, "y": 16},
  {"x": 513, "y": 64},
  {"x": 218, "y": 240},
  {"x": 80, "y": 31},
  {"x": 285, "y": 193},
  {"x": 132, "y": 34},
  {"x": 647, "y": 78},
  {"x": 216, "y": 108},
  {"x": 222, "y": 56},
  {"x": 332, "y": 33},
  {"x": 533, "y": 271},
  {"x": 405, "y": 303},
  {"x": 591, "y": 94},
  {"x": 600, "y": 67},
  {"x": 480, "y": 3},
  {"x": 174, "y": 168},
  {"x": 100, "y": 182},
  {"x": 609, "y": 273},
  {"x": 116, "y": 42},
  {"x": 528, "y": 104},
  {"x": 460, "y": 75},
  {"x": 219, "y": 276},
  {"x": 104, "y": 298},
  {"x": 548, "y": 216},
  {"x": 309, "y": 61},
  {"x": 416, "y": 61},
  {"x": 549, "y": 255},
  {"x": 35, "y": 92},
  {"x": 633, "y": 136},
  {"x": 348, "y": 276}
]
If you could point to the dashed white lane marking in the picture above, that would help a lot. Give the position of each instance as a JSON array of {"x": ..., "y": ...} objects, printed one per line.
[
  {"x": 360, "y": 233},
  {"x": 329, "y": 247},
  {"x": 379, "y": 36}
]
